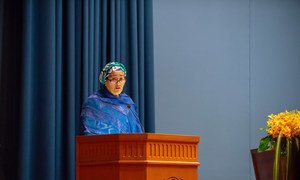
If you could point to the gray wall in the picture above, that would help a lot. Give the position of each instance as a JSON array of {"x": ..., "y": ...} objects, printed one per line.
[{"x": 221, "y": 66}]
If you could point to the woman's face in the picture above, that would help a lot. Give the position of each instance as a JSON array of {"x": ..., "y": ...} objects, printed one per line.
[{"x": 115, "y": 82}]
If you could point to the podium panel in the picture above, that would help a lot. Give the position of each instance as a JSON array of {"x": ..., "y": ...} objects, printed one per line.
[{"x": 137, "y": 157}]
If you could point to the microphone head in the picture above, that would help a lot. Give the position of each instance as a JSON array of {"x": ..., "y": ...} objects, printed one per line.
[{"x": 128, "y": 105}]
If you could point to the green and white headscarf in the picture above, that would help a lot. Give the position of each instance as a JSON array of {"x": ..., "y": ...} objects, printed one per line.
[{"x": 109, "y": 68}]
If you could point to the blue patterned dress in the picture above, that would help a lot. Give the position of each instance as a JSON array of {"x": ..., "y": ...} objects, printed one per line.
[{"x": 104, "y": 113}]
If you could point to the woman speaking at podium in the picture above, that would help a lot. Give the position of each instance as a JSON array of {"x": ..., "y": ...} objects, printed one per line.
[{"x": 109, "y": 111}]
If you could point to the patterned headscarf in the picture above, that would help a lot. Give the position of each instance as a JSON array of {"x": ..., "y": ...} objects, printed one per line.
[{"x": 109, "y": 68}]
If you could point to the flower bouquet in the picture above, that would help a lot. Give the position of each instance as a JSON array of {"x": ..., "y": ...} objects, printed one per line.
[{"x": 283, "y": 136}]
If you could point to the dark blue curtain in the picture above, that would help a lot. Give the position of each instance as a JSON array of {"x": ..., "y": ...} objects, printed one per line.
[{"x": 51, "y": 54}]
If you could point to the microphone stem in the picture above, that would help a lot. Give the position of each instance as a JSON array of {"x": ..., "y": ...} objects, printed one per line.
[{"x": 135, "y": 115}]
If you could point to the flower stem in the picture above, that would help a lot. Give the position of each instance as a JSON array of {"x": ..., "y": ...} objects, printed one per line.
[
  {"x": 297, "y": 143},
  {"x": 288, "y": 158},
  {"x": 277, "y": 158}
]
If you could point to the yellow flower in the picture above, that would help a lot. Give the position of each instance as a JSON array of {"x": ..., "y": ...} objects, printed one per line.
[{"x": 287, "y": 123}]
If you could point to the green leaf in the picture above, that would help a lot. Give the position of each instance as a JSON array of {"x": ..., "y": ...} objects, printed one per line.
[
  {"x": 262, "y": 129},
  {"x": 264, "y": 143}
]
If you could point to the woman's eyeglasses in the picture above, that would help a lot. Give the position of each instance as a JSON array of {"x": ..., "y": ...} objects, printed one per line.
[{"x": 115, "y": 80}]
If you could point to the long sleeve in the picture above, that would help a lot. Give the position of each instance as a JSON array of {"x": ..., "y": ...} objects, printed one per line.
[
  {"x": 94, "y": 121},
  {"x": 109, "y": 115}
]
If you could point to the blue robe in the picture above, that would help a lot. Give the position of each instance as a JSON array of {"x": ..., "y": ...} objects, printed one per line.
[{"x": 104, "y": 113}]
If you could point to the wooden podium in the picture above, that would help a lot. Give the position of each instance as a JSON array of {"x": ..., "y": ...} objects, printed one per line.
[{"x": 137, "y": 157}]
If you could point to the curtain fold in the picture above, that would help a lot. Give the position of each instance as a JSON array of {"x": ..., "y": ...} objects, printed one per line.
[
  {"x": 149, "y": 107},
  {"x": 9, "y": 87},
  {"x": 51, "y": 53}
]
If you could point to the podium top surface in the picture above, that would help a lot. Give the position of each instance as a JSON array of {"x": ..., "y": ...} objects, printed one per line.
[{"x": 140, "y": 137}]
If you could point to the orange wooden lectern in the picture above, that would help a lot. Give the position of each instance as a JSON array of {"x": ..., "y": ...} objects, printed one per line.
[{"x": 137, "y": 157}]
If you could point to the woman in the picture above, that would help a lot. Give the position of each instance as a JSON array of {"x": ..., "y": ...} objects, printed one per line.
[{"x": 109, "y": 111}]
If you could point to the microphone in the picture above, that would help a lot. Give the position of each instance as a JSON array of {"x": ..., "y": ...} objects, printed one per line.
[{"x": 129, "y": 107}]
